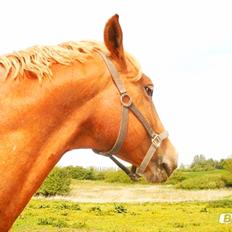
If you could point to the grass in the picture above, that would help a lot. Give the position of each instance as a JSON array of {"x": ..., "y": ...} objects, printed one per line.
[
  {"x": 194, "y": 174},
  {"x": 45, "y": 215},
  {"x": 213, "y": 179}
]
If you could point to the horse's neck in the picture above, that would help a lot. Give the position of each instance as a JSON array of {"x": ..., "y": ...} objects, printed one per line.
[{"x": 37, "y": 125}]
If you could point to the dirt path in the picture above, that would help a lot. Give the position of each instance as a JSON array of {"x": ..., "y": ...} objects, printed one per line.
[{"x": 140, "y": 193}]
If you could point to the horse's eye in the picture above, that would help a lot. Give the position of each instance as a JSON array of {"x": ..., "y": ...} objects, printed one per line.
[{"x": 149, "y": 90}]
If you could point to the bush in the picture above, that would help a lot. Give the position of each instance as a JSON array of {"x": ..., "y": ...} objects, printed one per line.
[
  {"x": 96, "y": 209},
  {"x": 227, "y": 178},
  {"x": 60, "y": 223},
  {"x": 80, "y": 173},
  {"x": 46, "y": 221},
  {"x": 204, "y": 167},
  {"x": 120, "y": 209},
  {"x": 117, "y": 176},
  {"x": 228, "y": 165},
  {"x": 57, "y": 183},
  {"x": 202, "y": 182},
  {"x": 68, "y": 205},
  {"x": 53, "y": 222},
  {"x": 176, "y": 177}
]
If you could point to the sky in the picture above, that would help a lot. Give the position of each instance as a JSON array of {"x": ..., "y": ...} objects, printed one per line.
[{"x": 185, "y": 47}]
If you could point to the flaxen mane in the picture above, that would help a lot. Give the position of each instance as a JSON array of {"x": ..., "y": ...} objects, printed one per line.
[{"x": 38, "y": 59}]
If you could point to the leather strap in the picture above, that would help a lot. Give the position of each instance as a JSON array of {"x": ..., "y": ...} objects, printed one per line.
[
  {"x": 151, "y": 151},
  {"x": 127, "y": 104},
  {"x": 121, "y": 135},
  {"x": 124, "y": 119},
  {"x": 146, "y": 125},
  {"x": 114, "y": 73}
]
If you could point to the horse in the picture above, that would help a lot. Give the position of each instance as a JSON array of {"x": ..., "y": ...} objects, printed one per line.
[{"x": 75, "y": 95}]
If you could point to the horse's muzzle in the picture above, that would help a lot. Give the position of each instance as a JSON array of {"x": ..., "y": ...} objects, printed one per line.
[{"x": 160, "y": 170}]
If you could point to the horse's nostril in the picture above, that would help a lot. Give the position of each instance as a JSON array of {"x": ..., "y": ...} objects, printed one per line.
[{"x": 166, "y": 168}]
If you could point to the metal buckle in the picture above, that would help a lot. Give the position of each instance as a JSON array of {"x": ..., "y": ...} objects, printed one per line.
[
  {"x": 156, "y": 140},
  {"x": 126, "y": 100}
]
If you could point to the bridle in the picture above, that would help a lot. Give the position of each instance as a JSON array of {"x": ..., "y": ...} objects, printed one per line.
[{"x": 127, "y": 104}]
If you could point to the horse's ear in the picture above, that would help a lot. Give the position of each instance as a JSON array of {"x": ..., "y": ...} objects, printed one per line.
[{"x": 113, "y": 41}]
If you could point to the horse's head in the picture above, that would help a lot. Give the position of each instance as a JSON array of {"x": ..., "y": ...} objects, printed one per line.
[{"x": 138, "y": 140}]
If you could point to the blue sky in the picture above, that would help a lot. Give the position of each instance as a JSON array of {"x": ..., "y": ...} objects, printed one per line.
[{"x": 184, "y": 46}]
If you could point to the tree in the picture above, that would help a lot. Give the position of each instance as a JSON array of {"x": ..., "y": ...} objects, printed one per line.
[
  {"x": 198, "y": 159},
  {"x": 219, "y": 164},
  {"x": 81, "y": 173},
  {"x": 182, "y": 166},
  {"x": 200, "y": 163}
]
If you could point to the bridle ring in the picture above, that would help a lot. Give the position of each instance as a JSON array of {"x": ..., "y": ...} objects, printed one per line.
[{"x": 126, "y": 100}]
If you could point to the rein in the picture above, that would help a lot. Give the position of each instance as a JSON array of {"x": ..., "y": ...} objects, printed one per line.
[{"x": 127, "y": 104}]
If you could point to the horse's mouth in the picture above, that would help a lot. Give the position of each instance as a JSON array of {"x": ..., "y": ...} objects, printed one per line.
[
  {"x": 167, "y": 169},
  {"x": 158, "y": 173}
]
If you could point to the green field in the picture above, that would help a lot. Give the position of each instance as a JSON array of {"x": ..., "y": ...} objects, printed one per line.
[
  {"x": 189, "y": 201},
  {"x": 48, "y": 215}
]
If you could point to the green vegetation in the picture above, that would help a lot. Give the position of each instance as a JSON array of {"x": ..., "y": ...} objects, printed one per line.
[
  {"x": 80, "y": 173},
  {"x": 202, "y": 174},
  {"x": 45, "y": 215},
  {"x": 227, "y": 164},
  {"x": 187, "y": 179},
  {"x": 57, "y": 183},
  {"x": 202, "y": 182},
  {"x": 200, "y": 163},
  {"x": 108, "y": 175},
  {"x": 116, "y": 177},
  {"x": 227, "y": 178}
]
